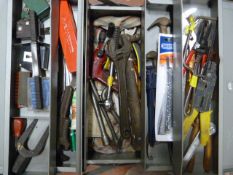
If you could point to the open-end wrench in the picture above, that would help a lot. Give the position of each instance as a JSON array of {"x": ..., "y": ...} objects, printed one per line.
[{"x": 119, "y": 53}]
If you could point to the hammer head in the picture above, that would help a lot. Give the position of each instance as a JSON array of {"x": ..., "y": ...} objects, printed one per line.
[{"x": 162, "y": 23}]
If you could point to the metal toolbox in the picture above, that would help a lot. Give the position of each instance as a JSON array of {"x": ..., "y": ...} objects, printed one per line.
[{"x": 164, "y": 158}]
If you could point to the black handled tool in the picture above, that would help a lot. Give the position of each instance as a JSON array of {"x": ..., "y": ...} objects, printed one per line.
[
  {"x": 108, "y": 35},
  {"x": 151, "y": 94},
  {"x": 64, "y": 121}
]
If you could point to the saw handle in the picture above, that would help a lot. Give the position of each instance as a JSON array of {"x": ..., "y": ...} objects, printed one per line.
[{"x": 64, "y": 117}]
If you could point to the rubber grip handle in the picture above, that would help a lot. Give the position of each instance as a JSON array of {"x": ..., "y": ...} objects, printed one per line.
[
  {"x": 36, "y": 93},
  {"x": 64, "y": 119},
  {"x": 64, "y": 137},
  {"x": 20, "y": 164},
  {"x": 151, "y": 94},
  {"x": 18, "y": 126}
]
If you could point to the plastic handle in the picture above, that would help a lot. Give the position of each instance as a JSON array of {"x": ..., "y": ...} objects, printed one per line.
[
  {"x": 36, "y": 94},
  {"x": 18, "y": 127}
]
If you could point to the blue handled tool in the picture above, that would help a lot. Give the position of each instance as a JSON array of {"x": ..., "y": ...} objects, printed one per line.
[{"x": 151, "y": 93}]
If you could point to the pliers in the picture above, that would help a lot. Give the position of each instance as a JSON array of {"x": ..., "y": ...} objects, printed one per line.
[{"x": 25, "y": 154}]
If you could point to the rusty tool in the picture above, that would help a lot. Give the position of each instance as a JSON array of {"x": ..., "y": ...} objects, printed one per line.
[
  {"x": 119, "y": 55},
  {"x": 134, "y": 104}
]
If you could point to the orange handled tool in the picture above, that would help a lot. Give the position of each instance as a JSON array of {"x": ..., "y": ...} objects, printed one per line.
[
  {"x": 18, "y": 126},
  {"x": 68, "y": 35}
]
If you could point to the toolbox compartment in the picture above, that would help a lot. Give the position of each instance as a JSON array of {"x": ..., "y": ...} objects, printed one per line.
[
  {"x": 209, "y": 9},
  {"x": 41, "y": 163},
  {"x": 45, "y": 163},
  {"x": 92, "y": 13}
]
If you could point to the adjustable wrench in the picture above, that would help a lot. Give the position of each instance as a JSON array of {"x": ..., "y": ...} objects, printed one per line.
[
  {"x": 120, "y": 56},
  {"x": 134, "y": 105}
]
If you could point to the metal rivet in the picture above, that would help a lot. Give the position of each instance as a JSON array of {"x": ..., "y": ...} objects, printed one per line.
[
  {"x": 230, "y": 86},
  {"x": 20, "y": 28}
]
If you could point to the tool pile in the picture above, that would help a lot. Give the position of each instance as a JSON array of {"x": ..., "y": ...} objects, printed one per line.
[
  {"x": 116, "y": 73},
  {"x": 32, "y": 83},
  {"x": 200, "y": 74}
]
